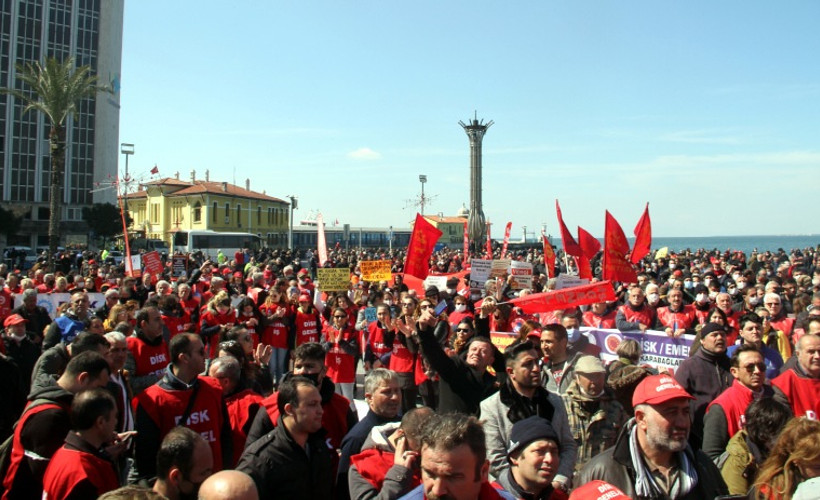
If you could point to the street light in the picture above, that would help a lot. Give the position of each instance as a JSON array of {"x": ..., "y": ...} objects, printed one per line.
[
  {"x": 294, "y": 204},
  {"x": 423, "y": 180},
  {"x": 126, "y": 149}
]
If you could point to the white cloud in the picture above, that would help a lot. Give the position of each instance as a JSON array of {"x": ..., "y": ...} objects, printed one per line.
[{"x": 364, "y": 154}]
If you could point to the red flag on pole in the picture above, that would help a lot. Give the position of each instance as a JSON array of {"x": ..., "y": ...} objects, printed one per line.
[
  {"x": 155, "y": 170},
  {"x": 321, "y": 242},
  {"x": 549, "y": 256},
  {"x": 506, "y": 239},
  {"x": 489, "y": 243},
  {"x": 570, "y": 246},
  {"x": 589, "y": 244},
  {"x": 466, "y": 245},
  {"x": 420, "y": 248},
  {"x": 643, "y": 237},
  {"x": 616, "y": 266}
]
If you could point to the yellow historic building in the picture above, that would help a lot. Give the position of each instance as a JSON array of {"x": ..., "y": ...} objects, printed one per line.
[
  {"x": 165, "y": 206},
  {"x": 452, "y": 228}
]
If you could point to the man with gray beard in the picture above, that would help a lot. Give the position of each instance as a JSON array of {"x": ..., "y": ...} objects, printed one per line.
[{"x": 652, "y": 457}]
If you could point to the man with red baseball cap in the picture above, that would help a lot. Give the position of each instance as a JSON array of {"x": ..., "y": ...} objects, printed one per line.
[{"x": 652, "y": 457}]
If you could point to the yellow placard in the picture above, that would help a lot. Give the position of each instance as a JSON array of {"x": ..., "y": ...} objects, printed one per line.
[
  {"x": 375, "y": 270},
  {"x": 333, "y": 280}
]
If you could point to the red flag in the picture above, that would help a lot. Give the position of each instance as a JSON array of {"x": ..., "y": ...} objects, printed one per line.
[
  {"x": 466, "y": 245},
  {"x": 549, "y": 256},
  {"x": 616, "y": 266},
  {"x": 567, "y": 297},
  {"x": 420, "y": 248},
  {"x": 489, "y": 243},
  {"x": 570, "y": 246},
  {"x": 506, "y": 239},
  {"x": 643, "y": 237},
  {"x": 584, "y": 268},
  {"x": 321, "y": 242},
  {"x": 589, "y": 244},
  {"x": 155, "y": 170}
]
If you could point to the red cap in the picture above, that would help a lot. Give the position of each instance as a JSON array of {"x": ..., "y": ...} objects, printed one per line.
[
  {"x": 598, "y": 490},
  {"x": 302, "y": 272},
  {"x": 657, "y": 389},
  {"x": 14, "y": 319},
  {"x": 237, "y": 274},
  {"x": 304, "y": 296},
  {"x": 535, "y": 333}
]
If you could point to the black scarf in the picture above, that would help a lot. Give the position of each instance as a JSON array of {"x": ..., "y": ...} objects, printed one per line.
[{"x": 521, "y": 407}]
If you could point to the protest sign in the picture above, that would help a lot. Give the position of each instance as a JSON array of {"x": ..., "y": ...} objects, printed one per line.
[
  {"x": 52, "y": 301},
  {"x": 333, "y": 279},
  {"x": 479, "y": 272},
  {"x": 569, "y": 281},
  {"x": 522, "y": 275},
  {"x": 136, "y": 266},
  {"x": 500, "y": 267},
  {"x": 370, "y": 314},
  {"x": 179, "y": 266},
  {"x": 375, "y": 270},
  {"x": 439, "y": 282},
  {"x": 660, "y": 351},
  {"x": 502, "y": 340},
  {"x": 152, "y": 262}
]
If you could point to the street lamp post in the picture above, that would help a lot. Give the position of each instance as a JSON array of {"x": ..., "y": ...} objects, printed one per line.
[
  {"x": 126, "y": 149},
  {"x": 423, "y": 180},
  {"x": 294, "y": 204}
]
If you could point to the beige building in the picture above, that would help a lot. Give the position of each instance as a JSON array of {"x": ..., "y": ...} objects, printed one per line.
[
  {"x": 452, "y": 228},
  {"x": 165, "y": 206}
]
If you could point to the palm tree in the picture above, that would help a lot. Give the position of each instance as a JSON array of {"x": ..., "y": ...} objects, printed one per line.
[{"x": 55, "y": 89}]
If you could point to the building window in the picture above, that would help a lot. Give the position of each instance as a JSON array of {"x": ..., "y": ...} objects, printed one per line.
[
  {"x": 258, "y": 215},
  {"x": 154, "y": 213},
  {"x": 239, "y": 215},
  {"x": 198, "y": 212},
  {"x": 227, "y": 213},
  {"x": 213, "y": 218}
]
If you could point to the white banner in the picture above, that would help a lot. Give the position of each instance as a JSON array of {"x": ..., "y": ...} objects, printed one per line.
[{"x": 52, "y": 301}]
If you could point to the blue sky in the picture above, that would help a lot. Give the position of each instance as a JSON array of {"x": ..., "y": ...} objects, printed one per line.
[{"x": 709, "y": 111}]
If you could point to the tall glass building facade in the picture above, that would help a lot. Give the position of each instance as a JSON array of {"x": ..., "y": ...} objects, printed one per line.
[{"x": 32, "y": 30}]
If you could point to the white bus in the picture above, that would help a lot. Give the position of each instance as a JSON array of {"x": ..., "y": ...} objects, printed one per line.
[{"x": 211, "y": 242}]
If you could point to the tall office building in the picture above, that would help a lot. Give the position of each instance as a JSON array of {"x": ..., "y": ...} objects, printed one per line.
[{"x": 32, "y": 30}]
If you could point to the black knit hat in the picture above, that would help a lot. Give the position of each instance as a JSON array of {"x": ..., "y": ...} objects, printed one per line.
[{"x": 528, "y": 430}]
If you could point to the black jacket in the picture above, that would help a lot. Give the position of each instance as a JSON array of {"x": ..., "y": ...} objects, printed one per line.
[
  {"x": 614, "y": 466},
  {"x": 704, "y": 375},
  {"x": 283, "y": 469},
  {"x": 462, "y": 388}
]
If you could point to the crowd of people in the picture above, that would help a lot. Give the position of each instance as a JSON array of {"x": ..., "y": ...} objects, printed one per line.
[{"x": 238, "y": 378}]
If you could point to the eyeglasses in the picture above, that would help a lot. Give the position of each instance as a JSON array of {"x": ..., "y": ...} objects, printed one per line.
[
  {"x": 407, "y": 304},
  {"x": 751, "y": 367},
  {"x": 339, "y": 316},
  {"x": 463, "y": 330},
  {"x": 771, "y": 303},
  {"x": 228, "y": 344}
]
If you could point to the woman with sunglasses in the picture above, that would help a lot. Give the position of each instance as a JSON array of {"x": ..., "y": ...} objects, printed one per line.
[
  {"x": 342, "y": 350},
  {"x": 403, "y": 357},
  {"x": 772, "y": 337}
]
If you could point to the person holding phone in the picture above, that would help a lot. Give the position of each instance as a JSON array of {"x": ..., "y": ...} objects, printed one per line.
[{"x": 463, "y": 380}]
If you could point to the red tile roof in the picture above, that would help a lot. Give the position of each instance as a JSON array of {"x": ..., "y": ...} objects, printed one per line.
[{"x": 204, "y": 187}]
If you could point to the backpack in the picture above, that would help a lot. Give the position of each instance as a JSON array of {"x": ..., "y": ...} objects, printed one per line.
[{"x": 6, "y": 445}]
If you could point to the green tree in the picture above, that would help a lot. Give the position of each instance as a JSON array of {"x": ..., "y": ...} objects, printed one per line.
[
  {"x": 55, "y": 89},
  {"x": 9, "y": 222},
  {"x": 105, "y": 219}
]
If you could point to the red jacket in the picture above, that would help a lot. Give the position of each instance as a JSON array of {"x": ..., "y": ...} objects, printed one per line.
[
  {"x": 242, "y": 407},
  {"x": 734, "y": 402},
  {"x": 803, "y": 393},
  {"x": 149, "y": 359},
  {"x": 684, "y": 318},
  {"x": 76, "y": 468},
  {"x": 596, "y": 321}
]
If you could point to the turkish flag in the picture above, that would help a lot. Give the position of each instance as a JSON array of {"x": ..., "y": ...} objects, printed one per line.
[
  {"x": 616, "y": 266},
  {"x": 420, "y": 248},
  {"x": 155, "y": 170},
  {"x": 549, "y": 256},
  {"x": 643, "y": 237},
  {"x": 570, "y": 246},
  {"x": 506, "y": 239}
]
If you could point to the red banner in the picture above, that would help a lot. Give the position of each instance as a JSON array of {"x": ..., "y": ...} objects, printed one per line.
[
  {"x": 643, "y": 237},
  {"x": 466, "y": 246},
  {"x": 570, "y": 246},
  {"x": 616, "y": 266},
  {"x": 420, "y": 248},
  {"x": 152, "y": 262},
  {"x": 549, "y": 256},
  {"x": 568, "y": 297},
  {"x": 506, "y": 239},
  {"x": 321, "y": 242},
  {"x": 589, "y": 244}
]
